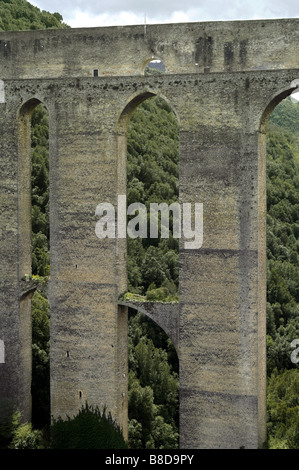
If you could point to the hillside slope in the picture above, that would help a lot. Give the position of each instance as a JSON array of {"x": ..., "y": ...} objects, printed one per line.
[{"x": 21, "y": 15}]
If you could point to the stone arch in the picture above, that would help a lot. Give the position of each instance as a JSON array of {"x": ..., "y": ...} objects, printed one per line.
[
  {"x": 267, "y": 109},
  {"x": 128, "y": 110},
  {"x": 164, "y": 318},
  {"x": 273, "y": 101},
  {"x": 219, "y": 389},
  {"x": 125, "y": 115},
  {"x": 24, "y": 186},
  {"x": 121, "y": 128},
  {"x": 165, "y": 315},
  {"x": 27, "y": 287},
  {"x": 152, "y": 58},
  {"x": 2, "y": 352}
]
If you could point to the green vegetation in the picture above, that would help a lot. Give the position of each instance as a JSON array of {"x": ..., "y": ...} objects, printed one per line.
[
  {"x": 14, "y": 434},
  {"x": 40, "y": 361},
  {"x": 21, "y": 15},
  {"x": 153, "y": 269},
  {"x": 153, "y": 386},
  {"x": 152, "y": 176},
  {"x": 283, "y": 409},
  {"x": 282, "y": 275},
  {"x": 40, "y": 192},
  {"x": 89, "y": 429},
  {"x": 153, "y": 276}
]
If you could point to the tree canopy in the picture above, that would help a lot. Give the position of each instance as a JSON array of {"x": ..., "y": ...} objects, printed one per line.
[
  {"x": 282, "y": 274},
  {"x": 18, "y": 15},
  {"x": 152, "y": 171}
]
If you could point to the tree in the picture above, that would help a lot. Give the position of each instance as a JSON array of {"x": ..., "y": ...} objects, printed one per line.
[
  {"x": 283, "y": 409},
  {"x": 40, "y": 361},
  {"x": 152, "y": 176},
  {"x": 282, "y": 275},
  {"x": 90, "y": 428},
  {"x": 21, "y": 15},
  {"x": 153, "y": 386}
]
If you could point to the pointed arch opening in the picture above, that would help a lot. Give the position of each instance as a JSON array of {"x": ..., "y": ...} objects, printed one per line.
[
  {"x": 153, "y": 399},
  {"x": 154, "y": 67},
  {"x": 278, "y": 153},
  {"x": 148, "y": 166}
]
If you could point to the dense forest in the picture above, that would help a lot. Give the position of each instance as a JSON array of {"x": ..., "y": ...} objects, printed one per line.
[
  {"x": 21, "y": 15},
  {"x": 153, "y": 267},
  {"x": 150, "y": 270},
  {"x": 283, "y": 275},
  {"x": 152, "y": 176}
]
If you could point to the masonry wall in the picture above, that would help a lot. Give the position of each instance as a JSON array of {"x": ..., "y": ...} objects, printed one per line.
[
  {"x": 220, "y": 103},
  {"x": 184, "y": 48}
]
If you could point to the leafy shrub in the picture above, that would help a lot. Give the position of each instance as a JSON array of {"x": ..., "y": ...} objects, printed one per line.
[
  {"x": 24, "y": 437},
  {"x": 89, "y": 429},
  {"x": 13, "y": 433},
  {"x": 283, "y": 409}
]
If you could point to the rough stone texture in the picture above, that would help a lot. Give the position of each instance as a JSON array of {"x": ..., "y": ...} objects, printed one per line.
[
  {"x": 184, "y": 48},
  {"x": 222, "y": 80},
  {"x": 166, "y": 315}
]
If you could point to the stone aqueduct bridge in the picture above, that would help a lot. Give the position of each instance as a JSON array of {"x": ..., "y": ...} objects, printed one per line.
[{"x": 222, "y": 80}]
